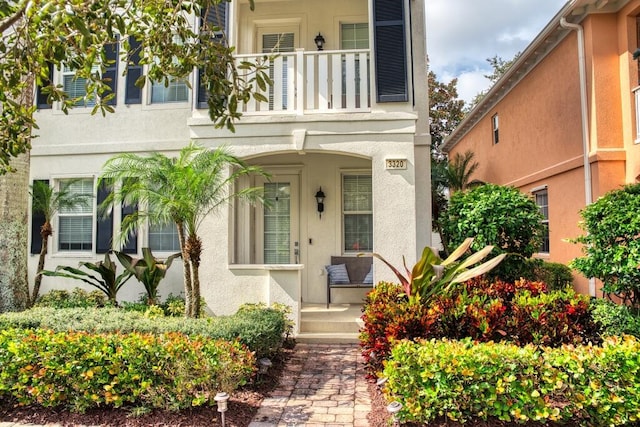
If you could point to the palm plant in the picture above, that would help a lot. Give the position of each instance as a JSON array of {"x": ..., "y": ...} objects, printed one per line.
[
  {"x": 48, "y": 202},
  {"x": 148, "y": 270},
  {"x": 181, "y": 190},
  {"x": 460, "y": 170}
]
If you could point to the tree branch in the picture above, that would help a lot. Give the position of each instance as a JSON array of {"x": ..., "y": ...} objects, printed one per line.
[{"x": 13, "y": 19}]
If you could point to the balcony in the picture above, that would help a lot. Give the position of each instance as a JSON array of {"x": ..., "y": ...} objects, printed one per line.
[{"x": 306, "y": 82}]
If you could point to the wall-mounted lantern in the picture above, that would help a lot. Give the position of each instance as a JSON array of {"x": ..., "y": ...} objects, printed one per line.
[
  {"x": 320, "y": 201},
  {"x": 319, "y": 40}
]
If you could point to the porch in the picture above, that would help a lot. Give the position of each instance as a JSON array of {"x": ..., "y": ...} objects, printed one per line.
[{"x": 340, "y": 323}]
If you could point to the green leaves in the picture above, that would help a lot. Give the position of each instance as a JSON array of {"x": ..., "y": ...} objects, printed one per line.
[
  {"x": 611, "y": 244},
  {"x": 431, "y": 277},
  {"x": 148, "y": 270},
  {"x": 80, "y": 370},
  {"x": 497, "y": 216},
  {"x": 463, "y": 380},
  {"x": 104, "y": 279}
]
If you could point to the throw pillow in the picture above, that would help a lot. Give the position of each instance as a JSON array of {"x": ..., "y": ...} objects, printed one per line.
[
  {"x": 368, "y": 279},
  {"x": 338, "y": 274}
]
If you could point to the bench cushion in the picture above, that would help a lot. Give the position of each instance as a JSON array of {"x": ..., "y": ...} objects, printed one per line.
[{"x": 338, "y": 274}]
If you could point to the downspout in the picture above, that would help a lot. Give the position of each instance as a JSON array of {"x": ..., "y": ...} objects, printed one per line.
[{"x": 588, "y": 195}]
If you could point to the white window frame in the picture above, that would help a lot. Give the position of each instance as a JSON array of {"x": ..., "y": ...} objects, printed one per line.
[
  {"x": 544, "y": 210},
  {"x": 163, "y": 230},
  {"x": 77, "y": 212},
  {"x": 495, "y": 129},
  {"x": 83, "y": 101},
  {"x": 344, "y": 212}
]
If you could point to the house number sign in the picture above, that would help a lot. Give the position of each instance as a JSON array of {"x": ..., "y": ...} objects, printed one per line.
[{"x": 395, "y": 164}]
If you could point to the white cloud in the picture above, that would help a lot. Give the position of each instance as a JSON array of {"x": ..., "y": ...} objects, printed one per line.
[{"x": 462, "y": 34}]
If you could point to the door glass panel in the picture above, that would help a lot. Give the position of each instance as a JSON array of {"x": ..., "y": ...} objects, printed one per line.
[{"x": 277, "y": 223}]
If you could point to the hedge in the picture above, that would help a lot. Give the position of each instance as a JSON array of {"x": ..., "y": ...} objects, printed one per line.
[
  {"x": 460, "y": 380},
  {"x": 82, "y": 370},
  {"x": 261, "y": 330}
]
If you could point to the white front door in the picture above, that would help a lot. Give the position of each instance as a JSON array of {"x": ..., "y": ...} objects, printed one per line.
[{"x": 277, "y": 224}]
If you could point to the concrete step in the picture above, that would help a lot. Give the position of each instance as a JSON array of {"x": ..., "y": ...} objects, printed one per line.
[
  {"x": 327, "y": 338},
  {"x": 329, "y": 326}
]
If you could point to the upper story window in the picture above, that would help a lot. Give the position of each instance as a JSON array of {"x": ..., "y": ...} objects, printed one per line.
[
  {"x": 495, "y": 129},
  {"x": 354, "y": 36},
  {"x": 76, "y": 87},
  {"x": 357, "y": 213},
  {"x": 75, "y": 225},
  {"x": 175, "y": 91},
  {"x": 542, "y": 200}
]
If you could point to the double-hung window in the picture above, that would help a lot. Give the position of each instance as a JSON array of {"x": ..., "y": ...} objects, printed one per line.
[
  {"x": 76, "y": 87},
  {"x": 357, "y": 213},
  {"x": 75, "y": 225},
  {"x": 495, "y": 128},
  {"x": 542, "y": 200},
  {"x": 175, "y": 91}
]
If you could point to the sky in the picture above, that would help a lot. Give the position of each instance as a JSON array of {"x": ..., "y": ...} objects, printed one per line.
[{"x": 462, "y": 34}]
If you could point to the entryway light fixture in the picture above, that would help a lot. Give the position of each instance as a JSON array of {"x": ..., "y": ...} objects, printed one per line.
[
  {"x": 319, "y": 40},
  {"x": 320, "y": 200}
]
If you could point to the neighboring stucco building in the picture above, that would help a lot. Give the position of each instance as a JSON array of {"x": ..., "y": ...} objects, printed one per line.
[
  {"x": 334, "y": 120},
  {"x": 571, "y": 99}
]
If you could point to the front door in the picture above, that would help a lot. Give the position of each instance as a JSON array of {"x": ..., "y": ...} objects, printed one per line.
[{"x": 278, "y": 222}]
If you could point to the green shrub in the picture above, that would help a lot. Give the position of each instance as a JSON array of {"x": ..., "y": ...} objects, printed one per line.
[
  {"x": 556, "y": 275},
  {"x": 78, "y": 297},
  {"x": 81, "y": 370},
  {"x": 459, "y": 380},
  {"x": 260, "y": 330},
  {"x": 610, "y": 244},
  {"x": 499, "y": 216},
  {"x": 615, "y": 319}
]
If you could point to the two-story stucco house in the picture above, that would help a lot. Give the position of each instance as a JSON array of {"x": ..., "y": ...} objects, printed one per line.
[
  {"x": 349, "y": 119},
  {"x": 562, "y": 123}
]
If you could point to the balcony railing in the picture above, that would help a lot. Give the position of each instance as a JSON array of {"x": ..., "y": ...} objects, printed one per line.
[{"x": 323, "y": 81}]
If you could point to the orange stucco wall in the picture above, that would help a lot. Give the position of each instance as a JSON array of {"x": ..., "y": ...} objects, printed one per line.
[{"x": 540, "y": 125}]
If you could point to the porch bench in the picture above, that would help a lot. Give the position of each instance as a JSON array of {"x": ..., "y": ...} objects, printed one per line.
[{"x": 357, "y": 270}]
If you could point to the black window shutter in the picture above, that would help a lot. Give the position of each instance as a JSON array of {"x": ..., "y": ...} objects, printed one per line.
[
  {"x": 216, "y": 17},
  {"x": 104, "y": 224},
  {"x": 133, "y": 94},
  {"x": 41, "y": 98},
  {"x": 37, "y": 221},
  {"x": 111, "y": 71},
  {"x": 390, "y": 51},
  {"x": 131, "y": 245}
]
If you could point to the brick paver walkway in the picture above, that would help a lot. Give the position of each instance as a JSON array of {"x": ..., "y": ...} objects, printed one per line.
[{"x": 322, "y": 385}]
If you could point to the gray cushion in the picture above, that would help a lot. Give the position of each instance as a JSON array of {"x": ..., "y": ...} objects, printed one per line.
[
  {"x": 368, "y": 279},
  {"x": 338, "y": 274}
]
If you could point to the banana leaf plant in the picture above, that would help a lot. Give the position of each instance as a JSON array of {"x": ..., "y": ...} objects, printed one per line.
[
  {"x": 432, "y": 276},
  {"x": 148, "y": 270},
  {"x": 102, "y": 275}
]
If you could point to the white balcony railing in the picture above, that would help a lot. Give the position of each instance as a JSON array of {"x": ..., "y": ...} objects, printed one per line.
[{"x": 323, "y": 81}]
